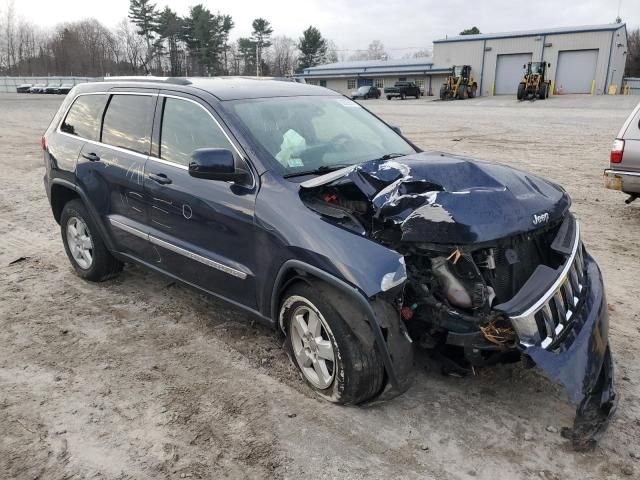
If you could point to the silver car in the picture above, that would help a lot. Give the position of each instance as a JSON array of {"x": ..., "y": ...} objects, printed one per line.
[{"x": 623, "y": 173}]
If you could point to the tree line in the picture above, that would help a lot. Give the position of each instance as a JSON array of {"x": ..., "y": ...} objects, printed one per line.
[{"x": 156, "y": 41}]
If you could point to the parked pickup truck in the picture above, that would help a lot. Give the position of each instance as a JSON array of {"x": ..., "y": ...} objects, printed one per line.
[{"x": 402, "y": 90}]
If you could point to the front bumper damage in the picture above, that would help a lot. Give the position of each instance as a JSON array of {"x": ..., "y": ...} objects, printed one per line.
[
  {"x": 585, "y": 367},
  {"x": 564, "y": 330}
]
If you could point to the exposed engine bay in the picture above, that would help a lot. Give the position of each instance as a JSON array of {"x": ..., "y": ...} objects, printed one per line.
[
  {"x": 494, "y": 262},
  {"x": 451, "y": 288}
]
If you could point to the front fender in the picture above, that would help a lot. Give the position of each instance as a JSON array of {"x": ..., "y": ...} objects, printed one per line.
[{"x": 288, "y": 230}]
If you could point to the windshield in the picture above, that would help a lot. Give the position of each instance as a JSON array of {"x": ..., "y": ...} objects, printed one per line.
[
  {"x": 536, "y": 67},
  {"x": 457, "y": 71},
  {"x": 304, "y": 134},
  {"x": 363, "y": 89}
]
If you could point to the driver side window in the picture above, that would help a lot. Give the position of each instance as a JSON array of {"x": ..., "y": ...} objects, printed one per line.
[{"x": 186, "y": 126}]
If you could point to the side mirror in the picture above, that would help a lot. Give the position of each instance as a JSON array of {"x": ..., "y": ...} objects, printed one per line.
[
  {"x": 396, "y": 129},
  {"x": 215, "y": 164}
]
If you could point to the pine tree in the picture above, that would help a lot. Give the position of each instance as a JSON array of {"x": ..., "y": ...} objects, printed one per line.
[
  {"x": 313, "y": 48},
  {"x": 169, "y": 28},
  {"x": 470, "y": 31},
  {"x": 261, "y": 37},
  {"x": 143, "y": 14}
]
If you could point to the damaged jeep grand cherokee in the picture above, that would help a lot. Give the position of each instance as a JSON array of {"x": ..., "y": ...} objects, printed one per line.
[{"x": 306, "y": 210}]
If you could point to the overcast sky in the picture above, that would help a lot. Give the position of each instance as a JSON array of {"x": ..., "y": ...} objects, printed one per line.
[{"x": 402, "y": 26}]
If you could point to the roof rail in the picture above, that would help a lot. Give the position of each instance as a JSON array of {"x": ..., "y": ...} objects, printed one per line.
[{"x": 149, "y": 78}]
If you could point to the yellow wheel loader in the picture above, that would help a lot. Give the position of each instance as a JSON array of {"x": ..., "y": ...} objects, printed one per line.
[
  {"x": 459, "y": 85},
  {"x": 534, "y": 84}
]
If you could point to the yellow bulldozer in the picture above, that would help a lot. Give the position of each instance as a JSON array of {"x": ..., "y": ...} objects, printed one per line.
[
  {"x": 534, "y": 84},
  {"x": 459, "y": 85}
]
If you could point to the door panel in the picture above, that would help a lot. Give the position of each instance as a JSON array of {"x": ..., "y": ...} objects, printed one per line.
[
  {"x": 113, "y": 174},
  {"x": 202, "y": 229},
  {"x": 114, "y": 183},
  {"x": 509, "y": 72}
]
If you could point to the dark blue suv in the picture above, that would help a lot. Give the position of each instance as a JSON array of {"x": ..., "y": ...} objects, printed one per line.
[{"x": 301, "y": 207}]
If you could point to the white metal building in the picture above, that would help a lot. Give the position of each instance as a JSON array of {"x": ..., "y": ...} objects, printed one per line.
[
  {"x": 587, "y": 59},
  {"x": 345, "y": 77}
]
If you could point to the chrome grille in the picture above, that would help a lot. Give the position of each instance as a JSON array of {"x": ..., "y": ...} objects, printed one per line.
[{"x": 544, "y": 321}]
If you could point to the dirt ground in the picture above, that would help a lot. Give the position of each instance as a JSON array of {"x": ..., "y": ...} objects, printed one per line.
[{"x": 141, "y": 378}]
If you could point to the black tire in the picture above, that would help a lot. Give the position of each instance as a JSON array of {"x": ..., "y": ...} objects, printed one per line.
[
  {"x": 388, "y": 97},
  {"x": 443, "y": 92},
  {"x": 548, "y": 89},
  {"x": 358, "y": 371},
  {"x": 462, "y": 92},
  {"x": 473, "y": 91},
  {"x": 402, "y": 96},
  {"x": 542, "y": 94},
  {"x": 520, "y": 94},
  {"x": 103, "y": 265}
]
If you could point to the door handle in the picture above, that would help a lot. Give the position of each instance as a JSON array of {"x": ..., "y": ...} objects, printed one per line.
[
  {"x": 160, "y": 178},
  {"x": 92, "y": 157}
]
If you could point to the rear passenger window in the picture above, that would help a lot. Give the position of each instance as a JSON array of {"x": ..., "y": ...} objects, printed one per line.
[
  {"x": 185, "y": 128},
  {"x": 83, "y": 119},
  {"x": 127, "y": 123}
]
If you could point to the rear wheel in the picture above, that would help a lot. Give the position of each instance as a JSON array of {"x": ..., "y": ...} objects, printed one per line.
[
  {"x": 87, "y": 252},
  {"x": 402, "y": 96},
  {"x": 520, "y": 91},
  {"x": 388, "y": 97},
  {"x": 473, "y": 91},
  {"x": 331, "y": 359},
  {"x": 443, "y": 92}
]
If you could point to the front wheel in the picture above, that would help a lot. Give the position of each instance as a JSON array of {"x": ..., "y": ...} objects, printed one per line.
[
  {"x": 388, "y": 97},
  {"x": 87, "y": 252},
  {"x": 542, "y": 94},
  {"x": 331, "y": 359},
  {"x": 520, "y": 91}
]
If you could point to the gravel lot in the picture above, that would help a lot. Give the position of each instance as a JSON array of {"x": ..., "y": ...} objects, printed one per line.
[{"x": 141, "y": 378}]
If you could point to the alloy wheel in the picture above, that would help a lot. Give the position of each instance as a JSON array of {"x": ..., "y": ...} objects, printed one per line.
[
  {"x": 80, "y": 242},
  {"x": 312, "y": 345}
]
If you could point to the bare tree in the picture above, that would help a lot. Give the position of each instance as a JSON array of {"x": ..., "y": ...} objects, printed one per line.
[
  {"x": 332, "y": 52},
  {"x": 282, "y": 56},
  {"x": 423, "y": 53},
  {"x": 375, "y": 51},
  {"x": 131, "y": 44},
  {"x": 9, "y": 36}
]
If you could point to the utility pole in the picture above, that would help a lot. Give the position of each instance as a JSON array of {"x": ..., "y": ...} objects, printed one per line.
[{"x": 257, "y": 60}]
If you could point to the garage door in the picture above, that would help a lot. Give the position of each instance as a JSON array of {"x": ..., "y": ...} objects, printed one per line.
[
  {"x": 576, "y": 70},
  {"x": 509, "y": 72}
]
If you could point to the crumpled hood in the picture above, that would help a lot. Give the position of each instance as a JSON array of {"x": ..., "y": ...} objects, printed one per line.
[{"x": 439, "y": 198}]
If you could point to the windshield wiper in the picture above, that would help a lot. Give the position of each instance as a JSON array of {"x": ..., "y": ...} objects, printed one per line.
[
  {"x": 319, "y": 171},
  {"x": 389, "y": 156}
]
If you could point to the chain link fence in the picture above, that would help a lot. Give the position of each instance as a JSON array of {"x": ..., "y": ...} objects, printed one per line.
[{"x": 9, "y": 84}]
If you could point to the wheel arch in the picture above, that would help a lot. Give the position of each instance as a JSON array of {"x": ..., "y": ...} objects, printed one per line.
[
  {"x": 62, "y": 192},
  {"x": 370, "y": 327}
]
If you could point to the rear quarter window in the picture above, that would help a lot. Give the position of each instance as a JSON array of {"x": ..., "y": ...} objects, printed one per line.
[
  {"x": 127, "y": 122},
  {"x": 84, "y": 116}
]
